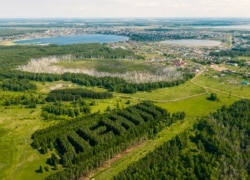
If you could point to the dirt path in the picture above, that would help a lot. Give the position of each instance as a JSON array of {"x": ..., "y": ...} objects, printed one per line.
[
  {"x": 111, "y": 161},
  {"x": 24, "y": 157}
]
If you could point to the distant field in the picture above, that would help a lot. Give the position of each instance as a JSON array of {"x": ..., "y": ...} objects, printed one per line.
[
  {"x": 111, "y": 66},
  {"x": 227, "y": 83},
  {"x": 243, "y": 58},
  {"x": 135, "y": 71}
]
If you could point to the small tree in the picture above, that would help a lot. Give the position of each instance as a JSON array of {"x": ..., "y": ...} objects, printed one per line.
[
  {"x": 213, "y": 97},
  {"x": 41, "y": 170}
]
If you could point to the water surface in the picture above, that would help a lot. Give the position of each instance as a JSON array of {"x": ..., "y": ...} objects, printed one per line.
[{"x": 77, "y": 39}]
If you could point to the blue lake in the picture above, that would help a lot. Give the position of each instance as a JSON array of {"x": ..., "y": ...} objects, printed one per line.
[{"x": 77, "y": 39}]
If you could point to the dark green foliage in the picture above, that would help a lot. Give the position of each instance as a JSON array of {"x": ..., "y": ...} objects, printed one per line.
[
  {"x": 29, "y": 101},
  {"x": 217, "y": 148},
  {"x": 18, "y": 85},
  {"x": 59, "y": 109},
  {"x": 75, "y": 94},
  {"x": 85, "y": 143},
  {"x": 213, "y": 97},
  {"x": 232, "y": 53}
]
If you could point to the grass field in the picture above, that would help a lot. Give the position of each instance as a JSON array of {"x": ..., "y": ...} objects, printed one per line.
[
  {"x": 111, "y": 66},
  {"x": 169, "y": 94}
]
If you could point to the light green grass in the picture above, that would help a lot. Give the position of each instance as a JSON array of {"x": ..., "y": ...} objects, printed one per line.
[
  {"x": 246, "y": 58},
  {"x": 198, "y": 106},
  {"x": 167, "y": 94},
  {"x": 226, "y": 84},
  {"x": 15, "y": 150}
]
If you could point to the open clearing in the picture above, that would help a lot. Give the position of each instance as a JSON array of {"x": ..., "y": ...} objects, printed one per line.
[{"x": 135, "y": 71}]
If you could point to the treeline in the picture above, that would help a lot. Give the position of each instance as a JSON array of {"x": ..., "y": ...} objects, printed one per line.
[
  {"x": 161, "y": 34},
  {"x": 217, "y": 148},
  {"x": 13, "y": 32},
  {"x": 84, "y": 144},
  {"x": 109, "y": 83},
  {"x": 232, "y": 53},
  {"x": 75, "y": 94},
  {"x": 28, "y": 101},
  {"x": 18, "y": 85}
]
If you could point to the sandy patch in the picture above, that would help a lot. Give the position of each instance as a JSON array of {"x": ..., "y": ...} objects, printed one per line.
[
  {"x": 217, "y": 68},
  {"x": 6, "y": 43}
]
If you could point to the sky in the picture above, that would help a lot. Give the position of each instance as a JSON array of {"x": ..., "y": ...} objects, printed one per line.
[{"x": 123, "y": 8}]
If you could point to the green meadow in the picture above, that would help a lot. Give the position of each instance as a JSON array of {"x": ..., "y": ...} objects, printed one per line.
[{"x": 110, "y": 65}]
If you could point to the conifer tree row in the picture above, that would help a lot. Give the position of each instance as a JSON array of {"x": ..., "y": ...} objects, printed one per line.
[{"x": 85, "y": 143}]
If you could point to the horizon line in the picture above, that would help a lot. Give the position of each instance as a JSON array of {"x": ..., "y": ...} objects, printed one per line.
[{"x": 219, "y": 17}]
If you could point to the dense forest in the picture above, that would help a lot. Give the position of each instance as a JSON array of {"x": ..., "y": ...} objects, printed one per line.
[
  {"x": 75, "y": 94},
  {"x": 218, "y": 147},
  {"x": 17, "y": 85},
  {"x": 84, "y": 143}
]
